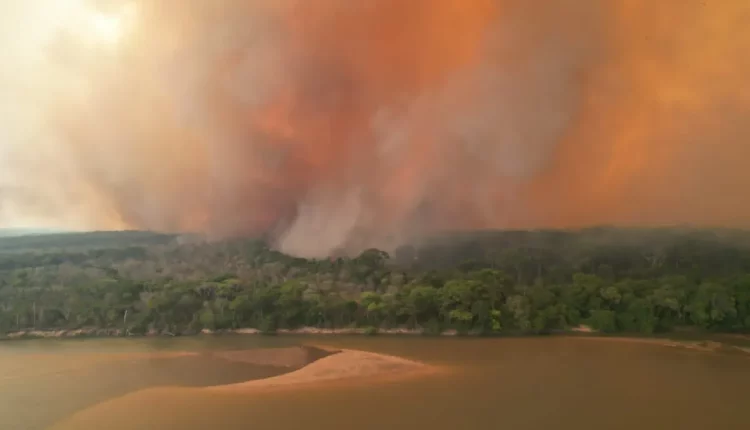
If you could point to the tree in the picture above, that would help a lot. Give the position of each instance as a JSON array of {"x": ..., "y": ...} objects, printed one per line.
[
  {"x": 712, "y": 306},
  {"x": 422, "y": 304},
  {"x": 603, "y": 320},
  {"x": 519, "y": 308},
  {"x": 629, "y": 280}
]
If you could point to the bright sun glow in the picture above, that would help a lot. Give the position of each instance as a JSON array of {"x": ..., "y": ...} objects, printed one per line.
[
  {"x": 107, "y": 28},
  {"x": 110, "y": 27}
]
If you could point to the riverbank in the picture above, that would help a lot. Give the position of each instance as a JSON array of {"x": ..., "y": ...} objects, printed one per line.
[
  {"x": 368, "y": 331},
  {"x": 725, "y": 342},
  {"x": 98, "y": 332}
]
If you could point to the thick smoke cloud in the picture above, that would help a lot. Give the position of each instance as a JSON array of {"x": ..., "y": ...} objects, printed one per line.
[{"x": 335, "y": 124}]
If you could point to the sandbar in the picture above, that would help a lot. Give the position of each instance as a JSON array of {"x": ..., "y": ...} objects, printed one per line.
[
  {"x": 339, "y": 365},
  {"x": 337, "y": 368}
]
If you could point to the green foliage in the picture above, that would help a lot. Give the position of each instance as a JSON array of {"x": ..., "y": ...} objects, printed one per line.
[
  {"x": 603, "y": 320},
  {"x": 614, "y": 280},
  {"x": 208, "y": 319}
]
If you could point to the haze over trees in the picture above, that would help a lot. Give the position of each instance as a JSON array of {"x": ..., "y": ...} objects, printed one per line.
[{"x": 614, "y": 280}]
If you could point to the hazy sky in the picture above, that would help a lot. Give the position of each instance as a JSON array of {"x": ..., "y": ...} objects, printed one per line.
[
  {"x": 335, "y": 123},
  {"x": 35, "y": 87}
]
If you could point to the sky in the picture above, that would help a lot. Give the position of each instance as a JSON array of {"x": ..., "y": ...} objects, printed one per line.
[{"x": 337, "y": 124}]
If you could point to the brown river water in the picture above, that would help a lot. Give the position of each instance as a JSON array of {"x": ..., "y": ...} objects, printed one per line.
[{"x": 504, "y": 383}]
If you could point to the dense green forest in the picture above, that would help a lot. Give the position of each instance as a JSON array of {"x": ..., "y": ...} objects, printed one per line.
[{"x": 614, "y": 280}]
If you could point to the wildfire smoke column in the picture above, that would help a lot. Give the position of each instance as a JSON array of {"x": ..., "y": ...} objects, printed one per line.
[{"x": 349, "y": 124}]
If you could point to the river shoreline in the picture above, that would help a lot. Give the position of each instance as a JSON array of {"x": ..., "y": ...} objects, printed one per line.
[
  {"x": 98, "y": 332},
  {"x": 582, "y": 332},
  {"x": 363, "y": 331}
]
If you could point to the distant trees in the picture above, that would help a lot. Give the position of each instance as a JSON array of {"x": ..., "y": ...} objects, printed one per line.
[{"x": 640, "y": 281}]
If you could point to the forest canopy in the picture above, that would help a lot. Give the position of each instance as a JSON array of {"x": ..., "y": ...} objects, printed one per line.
[{"x": 613, "y": 280}]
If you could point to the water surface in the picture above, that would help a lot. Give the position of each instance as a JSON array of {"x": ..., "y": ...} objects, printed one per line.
[{"x": 525, "y": 383}]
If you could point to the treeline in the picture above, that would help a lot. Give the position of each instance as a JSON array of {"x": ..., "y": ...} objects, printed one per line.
[
  {"x": 614, "y": 280},
  {"x": 66, "y": 242}
]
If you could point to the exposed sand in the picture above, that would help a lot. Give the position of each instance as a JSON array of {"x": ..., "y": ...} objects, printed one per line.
[{"x": 339, "y": 366}]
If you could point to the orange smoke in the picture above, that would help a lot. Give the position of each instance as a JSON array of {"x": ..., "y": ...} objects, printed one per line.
[
  {"x": 337, "y": 123},
  {"x": 660, "y": 140}
]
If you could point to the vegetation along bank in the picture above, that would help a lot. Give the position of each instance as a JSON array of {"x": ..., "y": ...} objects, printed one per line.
[{"x": 638, "y": 281}]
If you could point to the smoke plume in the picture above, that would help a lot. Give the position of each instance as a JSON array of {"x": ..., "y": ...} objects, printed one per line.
[{"x": 335, "y": 124}]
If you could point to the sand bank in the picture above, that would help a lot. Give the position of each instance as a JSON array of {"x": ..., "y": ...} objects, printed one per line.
[
  {"x": 343, "y": 365},
  {"x": 164, "y": 407},
  {"x": 339, "y": 368}
]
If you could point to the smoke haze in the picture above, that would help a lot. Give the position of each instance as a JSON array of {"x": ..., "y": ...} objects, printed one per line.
[{"x": 334, "y": 124}]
